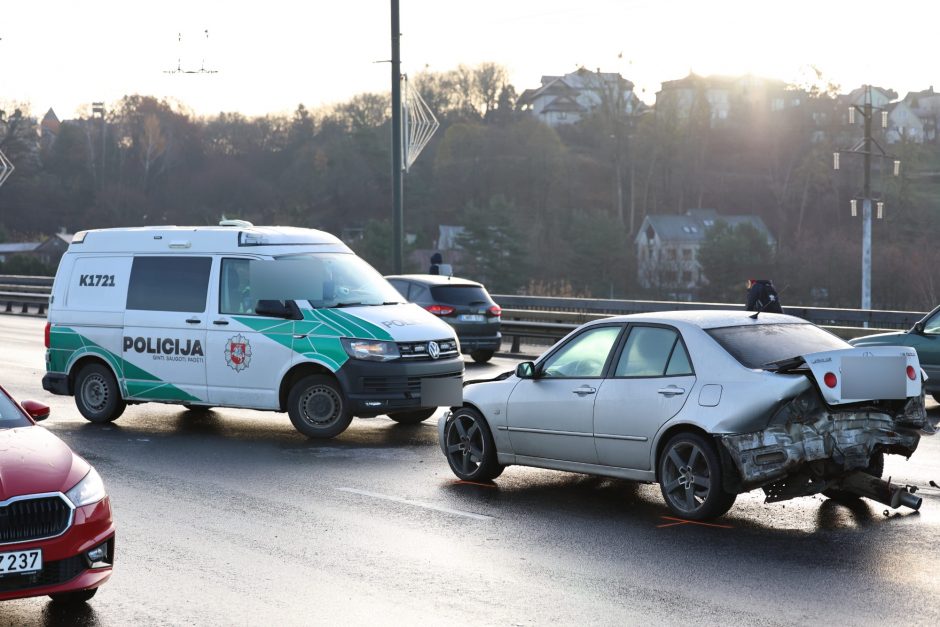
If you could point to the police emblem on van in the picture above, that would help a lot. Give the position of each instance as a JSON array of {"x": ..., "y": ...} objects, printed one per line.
[{"x": 238, "y": 353}]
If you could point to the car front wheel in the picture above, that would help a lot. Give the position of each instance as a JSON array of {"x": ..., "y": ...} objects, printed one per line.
[
  {"x": 318, "y": 408},
  {"x": 97, "y": 395},
  {"x": 412, "y": 417},
  {"x": 690, "y": 478},
  {"x": 481, "y": 356},
  {"x": 469, "y": 446},
  {"x": 71, "y": 598}
]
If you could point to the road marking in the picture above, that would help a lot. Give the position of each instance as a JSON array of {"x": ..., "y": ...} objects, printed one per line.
[
  {"x": 682, "y": 521},
  {"x": 398, "y": 499}
]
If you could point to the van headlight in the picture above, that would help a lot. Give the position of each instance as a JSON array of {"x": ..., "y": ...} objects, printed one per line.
[
  {"x": 87, "y": 491},
  {"x": 372, "y": 350}
]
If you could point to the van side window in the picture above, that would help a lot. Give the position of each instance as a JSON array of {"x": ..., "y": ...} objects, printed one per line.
[
  {"x": 169, "y": 284},
  {"x": 235, "y": 288}
]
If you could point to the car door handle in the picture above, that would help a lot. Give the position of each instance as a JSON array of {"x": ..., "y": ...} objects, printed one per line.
[
  {"x": 193, "y": 320},
  {"x": 670, "y": 390},
  {"x": 220, "y": 322},
  {"x": 584, "y": 390}
]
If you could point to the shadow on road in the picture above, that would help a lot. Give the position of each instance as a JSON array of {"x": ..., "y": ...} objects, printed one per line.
[{"x": 63, "y": 615}]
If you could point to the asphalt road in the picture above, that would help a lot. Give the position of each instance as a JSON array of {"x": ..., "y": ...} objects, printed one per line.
[{"x": 231, "y": 517}]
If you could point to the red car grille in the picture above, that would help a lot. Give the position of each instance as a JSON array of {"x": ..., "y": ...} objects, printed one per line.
[{"x": 33, "y": 519}]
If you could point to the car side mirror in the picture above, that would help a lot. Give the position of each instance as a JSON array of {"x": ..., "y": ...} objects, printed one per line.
[
  {"x": 525, "y": 370},
  {"x": 36, "y": 410},
  {"x": 278, "y": 309},
  {"x": 918, "y": 328}
]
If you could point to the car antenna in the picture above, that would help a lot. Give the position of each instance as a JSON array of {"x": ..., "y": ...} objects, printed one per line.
[{"x": 759, "y": 308}]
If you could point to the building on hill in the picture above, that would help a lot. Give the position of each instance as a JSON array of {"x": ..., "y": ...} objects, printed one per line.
[
  {"x": 667, "y": 248},
  {"x": 926, "y": 104},
  {"x": 721, "y": 98},
  {"x": 570, "y": 98}
]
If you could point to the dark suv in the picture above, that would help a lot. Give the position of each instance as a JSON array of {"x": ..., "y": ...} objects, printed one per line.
[{"x": 464, "y": 305}]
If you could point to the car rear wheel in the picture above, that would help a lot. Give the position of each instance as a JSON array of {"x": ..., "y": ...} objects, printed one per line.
[
  {"x": 69, "y": 598},
  {"x": 318, "y": 408},
  {"x": 97, "y": 395},
  {"x": 876, "y": 468},
  {"x": 481, "y": 356},
  {"x": 690, "y": 478},
  {"x": 412, "y": 417},
  {"x": 469, "y": 446}
]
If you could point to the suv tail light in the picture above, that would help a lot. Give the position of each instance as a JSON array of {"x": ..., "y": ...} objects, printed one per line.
[
  {"x": 47, "y": 334},
  {"x": 495, "y": 311},
  {"x": 440, "y": 310}
]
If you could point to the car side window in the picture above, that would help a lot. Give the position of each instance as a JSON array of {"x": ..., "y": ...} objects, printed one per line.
[
  {"x": 235, "y": 288},
  {"x": 583, "y": 356},
  {"x": 169, "y": 284},
  {"x": 933, "y": 324},
  {"x": 653, "y": 352},
  {"x": 419, "y": 293}
]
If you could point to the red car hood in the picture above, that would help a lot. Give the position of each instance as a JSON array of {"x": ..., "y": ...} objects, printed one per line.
[{"x": 33, "y": 461}]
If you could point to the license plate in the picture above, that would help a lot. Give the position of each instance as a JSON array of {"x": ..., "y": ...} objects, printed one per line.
[
  {"x": 28, "y": 561},
  {"x": 471, "y": 318}
]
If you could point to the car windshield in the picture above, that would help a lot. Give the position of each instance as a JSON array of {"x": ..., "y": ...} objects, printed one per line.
[
  {"x": 324, "y": 279},
  {"x": 758, "y": 345},
  {"x": 10, "y": 414}
]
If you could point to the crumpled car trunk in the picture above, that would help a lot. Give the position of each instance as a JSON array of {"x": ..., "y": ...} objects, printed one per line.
[{"x": 811, "y": 445}]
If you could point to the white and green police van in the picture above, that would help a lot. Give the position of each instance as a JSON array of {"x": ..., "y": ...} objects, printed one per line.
[{"x": 272, "y": 318}]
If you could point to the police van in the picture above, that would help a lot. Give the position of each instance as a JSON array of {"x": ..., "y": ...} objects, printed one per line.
[{"x": 272, "y": 318}]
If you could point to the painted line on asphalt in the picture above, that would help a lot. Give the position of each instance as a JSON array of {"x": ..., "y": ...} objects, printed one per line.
[
  {"x": 431, "y": 506},
  {"x": 682, "y": 521}
]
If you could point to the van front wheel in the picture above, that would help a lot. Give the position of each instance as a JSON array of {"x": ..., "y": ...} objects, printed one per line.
[
  {"x": 318, "y": 408},
  {"x": 97, "y": 395}
]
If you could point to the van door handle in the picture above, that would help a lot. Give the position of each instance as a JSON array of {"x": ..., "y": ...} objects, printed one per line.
[
  {"x": 584, "y": 390},
  {"x": 220, "y": 322},
  {"x": 300, "y": 336},
  {"x": 193, "y": 320},
  {"x": 671, "y": 390}
]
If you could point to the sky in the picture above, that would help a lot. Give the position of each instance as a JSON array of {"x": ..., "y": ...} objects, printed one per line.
[{"x": 272, "y": 55}]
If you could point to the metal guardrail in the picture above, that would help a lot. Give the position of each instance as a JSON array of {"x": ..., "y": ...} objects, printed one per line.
[
  {"x": 25, "y": 292},
  {"x": 551, "y": 318}
]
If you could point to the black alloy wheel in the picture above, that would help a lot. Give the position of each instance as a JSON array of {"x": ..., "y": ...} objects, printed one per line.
[
  {"x": 469, "y": 446},
  {"x": 690, "y": 478}
]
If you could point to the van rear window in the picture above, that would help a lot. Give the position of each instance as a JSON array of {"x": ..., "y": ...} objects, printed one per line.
[{"x": 169, "y": 284}]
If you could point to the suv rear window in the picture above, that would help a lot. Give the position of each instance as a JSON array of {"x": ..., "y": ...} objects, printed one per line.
[
  {"x": 460, "y": 294},
  {"x": 757, "y": 345}
]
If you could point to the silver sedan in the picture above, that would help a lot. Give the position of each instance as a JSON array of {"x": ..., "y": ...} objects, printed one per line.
[{"x": 709, "y": 404}]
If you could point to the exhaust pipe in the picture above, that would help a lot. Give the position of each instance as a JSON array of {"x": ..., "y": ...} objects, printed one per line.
[{"x": 894, "y": 496}]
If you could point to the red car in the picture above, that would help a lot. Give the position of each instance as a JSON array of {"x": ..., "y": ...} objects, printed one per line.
[{"x": 56, "y": 532}]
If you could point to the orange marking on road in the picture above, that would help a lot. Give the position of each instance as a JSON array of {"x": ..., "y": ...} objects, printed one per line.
[
  {"x": 683, "y": 521},
  {"x": 482, "y": 485}
]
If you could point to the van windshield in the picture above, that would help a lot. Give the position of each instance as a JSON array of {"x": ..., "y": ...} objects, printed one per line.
[{"x": 324, "y": 279}]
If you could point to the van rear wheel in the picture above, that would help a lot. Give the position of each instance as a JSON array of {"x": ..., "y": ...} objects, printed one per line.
[
  {"x": 97, "y": 395},
  {"x": 318, "y": 408}
]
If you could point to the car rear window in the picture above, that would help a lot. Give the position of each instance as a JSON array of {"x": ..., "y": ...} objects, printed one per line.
[
  {"x": 757, "y": 345},
  {"x": 460, "y": 294},
  {"x": 10, "y": 415}
]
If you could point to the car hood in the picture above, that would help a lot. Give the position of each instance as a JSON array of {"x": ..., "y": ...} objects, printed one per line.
[
  {"x": 894, "y": 338},
  {"x": 34, "y": 461}
]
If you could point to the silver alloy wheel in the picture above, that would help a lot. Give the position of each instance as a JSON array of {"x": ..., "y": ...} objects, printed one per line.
[
  {"x": 95, "y": 392},
  {"x": 686, "y": 478},
  {"x": 465, "y": 443},
  {"x": 320, "y": 406}
]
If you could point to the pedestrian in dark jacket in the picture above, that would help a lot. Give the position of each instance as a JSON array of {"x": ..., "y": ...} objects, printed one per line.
[
  {"x": 436, "y": 261},
  {"x": 762, "y": 296}
]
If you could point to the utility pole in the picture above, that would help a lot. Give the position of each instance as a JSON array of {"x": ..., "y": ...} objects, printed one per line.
[
  {"x": 397, "y": 174},
  {"x": 864, "y": 148}
]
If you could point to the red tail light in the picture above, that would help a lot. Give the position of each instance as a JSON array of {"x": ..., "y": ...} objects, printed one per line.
[
  {"x": 830, "y": 380},
  {"x": 911, "y": 373},
  {"x": 495, "y": 310},
  {"x": 440, "y": 310},
  {"x": 47, "y": 333}
]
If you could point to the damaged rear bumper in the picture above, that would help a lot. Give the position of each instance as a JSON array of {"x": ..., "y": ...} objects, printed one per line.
[{"x": 808, "y": 445}]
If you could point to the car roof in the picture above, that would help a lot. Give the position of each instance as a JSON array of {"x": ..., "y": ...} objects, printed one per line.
[
  {"x": 708, "y": 318},
  {"x": 435, "y": 279}
]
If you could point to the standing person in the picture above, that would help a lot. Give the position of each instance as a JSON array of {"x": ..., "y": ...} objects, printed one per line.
[
  {"x": 436, "y": 261},
  {"x": 762, "y": 296}
]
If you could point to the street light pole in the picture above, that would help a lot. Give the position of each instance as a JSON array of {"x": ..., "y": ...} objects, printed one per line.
[
  {"x": 397, "y": 174},
  {"x": 866, "y": 209}
]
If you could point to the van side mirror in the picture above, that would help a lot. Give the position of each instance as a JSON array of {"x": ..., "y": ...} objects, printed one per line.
[
  {"x": 525, "y": 370},
  {"x": 36, "y": 410},
  {"x": 278, "y": 309}
]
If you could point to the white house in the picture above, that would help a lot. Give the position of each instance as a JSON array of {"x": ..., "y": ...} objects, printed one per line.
[{"x": 570, "y": 98}]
